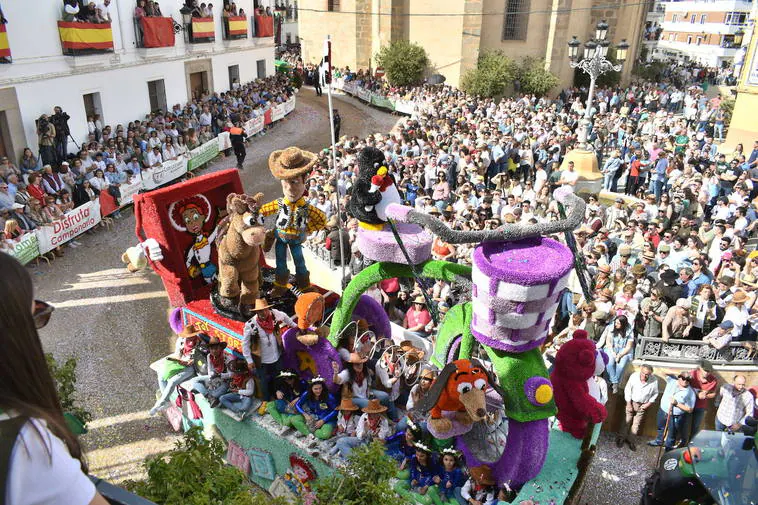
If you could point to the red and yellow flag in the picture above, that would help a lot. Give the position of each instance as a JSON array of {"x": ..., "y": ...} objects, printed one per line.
[
  {"x": 5, "y": 48},
  {"x": 78, "y": 36},
  {"x": 237, "y": 25},
  {"x": 203, "y": 28}
]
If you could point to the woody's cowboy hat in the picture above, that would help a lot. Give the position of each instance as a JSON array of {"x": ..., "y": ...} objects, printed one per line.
[
  {"x": 290, "y": 163},
  {"x": 347, "y": 404},
  {"x": 374, "y": 407},
  {"x": 189, "y": 331},
  {"x": 482, "y": 474},
  {"x": 407, "y": 347},
  {"x": 261, "y": 304}
]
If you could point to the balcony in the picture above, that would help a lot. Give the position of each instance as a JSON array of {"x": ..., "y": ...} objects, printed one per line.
[
  {"x": 264, "y": 26},
  {"x": 151, "y": 32},
  {"x": 235, "y": 27},
  {"x": 79, "y": 39}
]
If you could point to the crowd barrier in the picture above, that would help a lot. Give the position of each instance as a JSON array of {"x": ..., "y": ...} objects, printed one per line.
[
  {"x": 396, "y": 105},
  {"x": 77, "y": 221}
]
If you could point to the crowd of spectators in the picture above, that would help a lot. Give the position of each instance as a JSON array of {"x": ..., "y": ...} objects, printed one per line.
[
  {"x": 83, "y": 11},
  {"x": 669, "y": 261},
  {"x": 42, "y": 188}
]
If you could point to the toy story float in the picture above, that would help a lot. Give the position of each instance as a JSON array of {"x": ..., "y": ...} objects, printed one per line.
[{"x": 211, "y": 240}]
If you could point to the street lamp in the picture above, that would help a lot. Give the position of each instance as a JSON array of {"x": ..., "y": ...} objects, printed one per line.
[{"x": 594, "y": 64}]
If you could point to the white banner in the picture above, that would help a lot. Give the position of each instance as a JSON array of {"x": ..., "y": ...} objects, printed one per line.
[
  {"x": 289, "y": 105},
  {"x": 129, "y": 189},
  {"x": 73, "y": 224},
  {"x": 277, "y": 112},
  {"x": 405, "y": 106},
  {"x": 167, "y": 172},
  {"x": 224, "y": 141},
  {"x": 253, "y": 126},
  {"x": 364, "y": 94}
]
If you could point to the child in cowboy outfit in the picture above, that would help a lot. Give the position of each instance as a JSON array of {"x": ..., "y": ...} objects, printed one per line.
[
  {"x": 347, "y": 422},
  {"x": 239, "y": 399},
  {"x": 183, "y": 349},
  {"x": 372, "y": 425},
  {"x": 214, "y": 384},
  {"x": 480, "y": 488}
]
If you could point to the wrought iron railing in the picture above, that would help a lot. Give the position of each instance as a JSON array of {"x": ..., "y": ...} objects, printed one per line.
[{"x": 690, "y": 351}]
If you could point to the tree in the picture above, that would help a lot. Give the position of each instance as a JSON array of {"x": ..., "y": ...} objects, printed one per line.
[
  {"x": 534, "y": 78},
  {"x": 364, "y": 480},
  {"x": 493, "y": 74},
  {"x": 404, "y": 62}
]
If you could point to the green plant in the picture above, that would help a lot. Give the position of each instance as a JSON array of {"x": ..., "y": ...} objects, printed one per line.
[
  {"x": 493, "y": 74},
  {"x": 195, "y": 473},
  {"x": 652, "y": 71},
  {"x": 404, "y": 62},
  {"x": 534, "y": 78},
  {"x": 727, "y": 105},
  {"x": 64, "y": 376},
  {"x": 365, "y": 480}
]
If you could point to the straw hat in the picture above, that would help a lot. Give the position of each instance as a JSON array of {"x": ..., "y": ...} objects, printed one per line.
[
  {"x": 749, "y": 280},
  {"x": 428, "y": 373},
  {"x": 189, "y": 331},
  {"x": 605, "y": 268},
  {"x": 639, "y": 270},
  {"x": 290, "y": 163},
  {"x": 482, "y": 474},
  {"x": 347, "y": 404},
  {"x": 261, "y": 304},
  {"x": 374, "y": 407},
  {"x": 739, "y": 297},
  {"x": 419, "y": 299}
]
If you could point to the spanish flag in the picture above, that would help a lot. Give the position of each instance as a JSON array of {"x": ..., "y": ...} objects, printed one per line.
[
  {"x": 79, "y": 36},
  {"x": 5, "y": 48},
  {"x": 237, "y": 26},
  {"x": 203, "y": 28}
]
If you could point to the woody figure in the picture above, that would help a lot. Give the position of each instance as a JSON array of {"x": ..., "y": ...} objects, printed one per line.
[{"x": 295, "y": 217}]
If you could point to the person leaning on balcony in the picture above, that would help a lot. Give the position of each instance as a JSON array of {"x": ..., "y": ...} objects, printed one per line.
[
  {"x": 70, "y": 10},
  {"x": 139, "y": 11},
  {"x": 32, "y": 427},
  {"x": 677, "y": 320}
]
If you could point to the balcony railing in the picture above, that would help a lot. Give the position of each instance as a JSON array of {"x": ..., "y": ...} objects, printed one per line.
[
  {"x": 689, "y": 352},
  {"x": 235, "y": 27},
  {"x": 201, "y": 30},
  {"x": 155, "y": 31},
  {"x": 79, "y": 39}
]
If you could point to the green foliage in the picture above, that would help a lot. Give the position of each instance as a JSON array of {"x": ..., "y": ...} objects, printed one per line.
[
  {"x": 534, "y": 78},
  {"x": 365, "y": 480},
  {"x": 404, "y": 62},
  {"x": 493, "y": 75},
  {"x": 727, "y": 105},
  {"x": 650, "y": 71},
  {"x": 194, "y": 473},
  {"x": 64, "y": 376},
  {"x": 607, "y": 79}
]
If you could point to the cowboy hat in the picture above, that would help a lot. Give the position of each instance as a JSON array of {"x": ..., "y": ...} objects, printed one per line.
[
  {"x": 639, "y": 270},
  {"x": 650, "y": 255},
  {"x": 482, "y": 475},
  {"x": 261, "y": 304},
  {"x": 739, "y": 297},
  {"x": 668, "y": 275},
  {"x": 419, "y": 299},
  {"x": 428, "y": 373},
  {"x": 189, "y": 331},
  {"x": 214, "y": 341},
  {"x": 356, "y": 358},
  {"x": 748, "y": 280},
  {"x": 347, "y": 404},
  {"x": 605, "y": 268},
  {"x": 290, "y": 163},
  {"x": 374, "y": 407}
]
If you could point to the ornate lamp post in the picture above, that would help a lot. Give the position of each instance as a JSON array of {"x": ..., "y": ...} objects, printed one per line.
[{"x": 594, "y": 64}]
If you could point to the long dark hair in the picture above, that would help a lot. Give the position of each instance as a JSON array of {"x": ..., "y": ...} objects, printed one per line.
[{"x": 28, "y": 388}]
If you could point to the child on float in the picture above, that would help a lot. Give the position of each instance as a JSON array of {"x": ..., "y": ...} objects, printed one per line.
[
  {"x": 422, "y": 474},
  {"x": 418, "y": 391},
  {"x": 347, "y": 422},
  {"x": 179, "y": 366},
  {"x": 450, "y": 481},
  {"x": 402, "y": 446},
  {"x": 372, "y": 425},
  {"x": 239, "y": 399},
  {"x": 317, "y": 407},
  {"x": 480, "y": 488},
  {"x": 287, "y": 390},
  {"x": 360, "y": 380},
  {"x": 214, "y": 384}
]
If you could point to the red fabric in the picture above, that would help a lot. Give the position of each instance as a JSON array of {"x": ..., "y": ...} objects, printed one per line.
[
  {"x": 37, "y": 192},
  {"x": 264, "y": 26},
  {"x": 239, "y": 380},
  {"x": 266, "y": 324},
  {"x": 634, "y": 169},
  {"x": 189, "y": 397},
  {"x": 267, "y": 117},
  {"x": 390, "y": 286},
  {"x": 157, "y": 32},
  {"x": 201, "y": 313},
  {"x": 707, "y": 384},
  {"x": 217, "y": 362},
  {"x": 108, "y": 204},
  {"x": 574, "y": 365}
]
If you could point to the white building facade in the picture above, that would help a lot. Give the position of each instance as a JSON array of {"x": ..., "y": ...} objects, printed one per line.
[{"x": 121, "y": 85}]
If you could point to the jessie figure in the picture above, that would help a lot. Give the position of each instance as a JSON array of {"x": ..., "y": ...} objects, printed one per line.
[{"x": 190, "y": 215}]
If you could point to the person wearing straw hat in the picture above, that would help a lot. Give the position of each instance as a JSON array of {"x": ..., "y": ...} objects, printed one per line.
[
  {"x": 360, "y": 379},
  {"x": 239, "y": 399},
  {"x": 347, "y": 422},
  {"x": 479, "y": 489},
  {"x": 317, "y": 406},
  {"x": 423, "y": 472},
  {"x": 418, "y": 319},
  {"x": 213, "y": 384},
  {"x": 262, "y": 336},
  {"x": 287, "y": 391},
  {"x": 295, "y": 217},
  {"x": 182, "y": 368},
  {"x": 372, "y": 425}
]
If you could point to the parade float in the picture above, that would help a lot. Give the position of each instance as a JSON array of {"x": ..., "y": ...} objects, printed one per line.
[{"x": 204, "y": 238}]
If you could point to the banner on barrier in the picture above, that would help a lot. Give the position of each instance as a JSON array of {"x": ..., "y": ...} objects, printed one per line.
[
  {"x": 289, "y": 105},
  {"x": 202, "y": 154},
  {"x": 404, "y": 106},
  {"x": 224, "y": 141},
  {"x": 381, "y": 101},
  {"x": 129, "y": 189},
  {"x": 364, "y": 94},
  {"x": 73, "y": 224},
  {"x": 26, "y": 249},
  {"x": 166, "y": 172},
  {"x": 253, "y": 126},
  {"x": 277, "y": 112}
]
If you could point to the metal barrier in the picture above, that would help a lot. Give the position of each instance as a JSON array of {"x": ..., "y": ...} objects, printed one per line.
[
  {"x": 689, "y": 352},
  {"x": 117, "y": 496}
]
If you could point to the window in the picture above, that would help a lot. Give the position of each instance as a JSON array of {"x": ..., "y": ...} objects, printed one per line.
[
  {"x": 333, "y": 5},
  {"x": 703, "y": 17},
  {"x": 672, "y": 37},
  {"x": 692, "y": 18},
  {"x": 92, "y": 105},
  {"x": 689, "y": 39},
  {"x": 156, "y": 90},
  {"x": 727, "y": 41},
  {"x": 289, "y": 38},
  {"x": 735, "y": 18},
  {"x": 699, "y": 40},
  {"x": 234, "y": 75},
  {"x": 516, "y": 20},
  {"x": 261, "y": 66},
  {"x": 675, "y": 18}
]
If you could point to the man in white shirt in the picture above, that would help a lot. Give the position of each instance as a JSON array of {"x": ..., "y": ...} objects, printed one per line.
[
  {"x": 568, "y": 177},
  {"x": 103, "y": 12},
  {"x": 154, "y": 157},
  {"x": 640, "y": 393}
]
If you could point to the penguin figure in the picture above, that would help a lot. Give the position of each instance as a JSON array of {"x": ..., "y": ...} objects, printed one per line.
[{"x": 373, "y": 190}]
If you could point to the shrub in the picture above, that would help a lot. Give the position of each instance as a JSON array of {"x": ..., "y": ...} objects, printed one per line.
[
  {"x": 534, "y": 78},
  {"x": 65, "y": 382},
  {"x": 404, "y": 62},
  {"x": 493, "y": 75}
]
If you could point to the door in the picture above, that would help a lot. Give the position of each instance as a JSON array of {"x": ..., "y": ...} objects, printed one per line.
[
  {"x": 199, "y": 83},
  {"x": 234, "y": 75},
  {"x": 261, "y": 64},
  {"x": 156, "y": 91}
]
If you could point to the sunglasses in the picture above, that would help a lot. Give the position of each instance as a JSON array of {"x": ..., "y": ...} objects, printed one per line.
[
  {"x": 42, "y": 313},
  {"x": 687, "y": 379}
]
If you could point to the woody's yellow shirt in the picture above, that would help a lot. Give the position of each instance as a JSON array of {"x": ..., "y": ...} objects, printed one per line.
[{"x": 295, "y": 219}]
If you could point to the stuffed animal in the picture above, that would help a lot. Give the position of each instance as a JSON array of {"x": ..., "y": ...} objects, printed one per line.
[
  {"x": 575, "y": 364},
  {"x": 460, "y": 387},
  {"x": 135, "y": 258},
  {"x": 239, "y": 252},
  {"x": 373, "y": 191}
]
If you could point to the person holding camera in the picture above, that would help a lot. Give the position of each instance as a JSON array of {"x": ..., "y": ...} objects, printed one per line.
[
  {"x": 46, "y": 133},
  {"x": 60, "y": 121}
]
